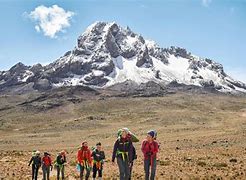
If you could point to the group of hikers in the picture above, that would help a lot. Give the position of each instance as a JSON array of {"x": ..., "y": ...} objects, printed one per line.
[{"x": 124, "y": 153}]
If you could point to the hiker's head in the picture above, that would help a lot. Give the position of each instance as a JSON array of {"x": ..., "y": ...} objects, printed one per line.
[
  {"x": 150, "y": 135},
  {"x": 124, "y": 133},
  {"x": 37, "y": 153},
  {"x": 34, "y": 153},
  {"x": 99, "y": 146},
  {"x": 126, "y": 129},
  {"x": 84, "y": 144},
  {"x": 63, "y": 153},
  {"x": 46, "y": 154}
]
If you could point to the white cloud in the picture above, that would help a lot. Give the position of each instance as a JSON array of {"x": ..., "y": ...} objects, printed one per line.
[
  {"x": 206, "y": 3},
  {"x": 51, "y": 20}
]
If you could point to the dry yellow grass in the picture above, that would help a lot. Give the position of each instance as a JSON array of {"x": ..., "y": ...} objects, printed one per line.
[{"x": 201, "y": 136}]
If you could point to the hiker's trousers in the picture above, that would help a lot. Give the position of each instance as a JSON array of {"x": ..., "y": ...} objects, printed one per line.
[
  {"x": 123, "y": 168},
  {"x": 35, "y": 172},
  {"x": 148, "y": 166},
  {"x": 46, "y": 172},
  {"x": 87, "y": 175},
  {"x": 95, "y": 170},
  {"x": 131, "y": 166},
  {"x": 61, "y": 169}
]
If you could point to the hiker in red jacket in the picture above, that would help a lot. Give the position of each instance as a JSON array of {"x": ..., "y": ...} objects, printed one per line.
[
  {"x": 84, "y": 160},
  {"x": 46, "y": 166},
  {"x": 150, "y": 149}
]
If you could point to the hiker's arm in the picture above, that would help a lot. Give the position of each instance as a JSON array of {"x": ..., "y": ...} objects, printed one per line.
[
  {"x": 143, "y": 147},
  {"x": 114, "y": 151},
  {"x": 130, "y": 152},
  {"x": 50, "y": 161},
  {"x": 103, "y": 155},
  {"x": 78, "y": 157},
  {"x": 90, "y": 158},
  {"x": 134, "y": 153},
  {"x": 30, "y": 161},
  {"x": 65, "y": 160},
  {"x": 58, "y": 160},
  {"x": 156, "y": 149},
  {"x": 40, "y": 162}
]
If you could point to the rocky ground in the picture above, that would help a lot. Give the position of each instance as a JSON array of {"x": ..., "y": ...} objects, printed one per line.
[{"x": 201, "y": 136}]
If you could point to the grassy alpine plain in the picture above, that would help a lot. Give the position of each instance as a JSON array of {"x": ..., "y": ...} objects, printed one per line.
[{"x": 202, "y": 136}]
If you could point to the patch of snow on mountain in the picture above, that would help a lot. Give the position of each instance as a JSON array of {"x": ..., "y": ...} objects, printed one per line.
[
  {"x": 131, "y": 40},
  {"x": 98, "y": 73},
  {"x": 2, "y": 82},
  {"x": 127, "y": 70},
  {"x": 175, "y": 70},
  {"x": 27, "y": 75},
  {"x": 151, "y": 44}
]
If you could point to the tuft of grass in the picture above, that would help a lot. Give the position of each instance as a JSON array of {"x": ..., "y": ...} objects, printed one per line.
[
  {"x": 201, "y": 163},
  {"x": 164, "y": 163},
  {"x": 233, "y": 160},
  {"x": 187, "y": 158},
  {"x": 220, "y": 165},
  {"x": 73, "y": 163}
]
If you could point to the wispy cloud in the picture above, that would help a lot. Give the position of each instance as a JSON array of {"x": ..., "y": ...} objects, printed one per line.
[
  {"x": 206, "y": 3},
  {"x": 51, "y": 20}
]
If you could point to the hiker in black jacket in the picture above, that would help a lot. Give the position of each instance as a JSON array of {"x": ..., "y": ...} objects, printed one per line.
[
  {"x": 98, "y": 157},
  {"x": 36, "y": 164},
  {"x": 60, "y": 162},
  {"x": 123, "y": 152}
]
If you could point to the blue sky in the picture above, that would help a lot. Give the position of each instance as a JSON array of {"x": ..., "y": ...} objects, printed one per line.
[{"x": 214, "y": 29}]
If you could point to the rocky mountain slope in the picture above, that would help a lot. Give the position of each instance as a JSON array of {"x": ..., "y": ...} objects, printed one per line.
[{"x": 107, "y": 55}]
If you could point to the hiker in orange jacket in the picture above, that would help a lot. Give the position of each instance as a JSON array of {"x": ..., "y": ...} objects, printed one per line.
[
  {"x": 84, "y": 160},
  {"x": 150, "y": 149}
]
